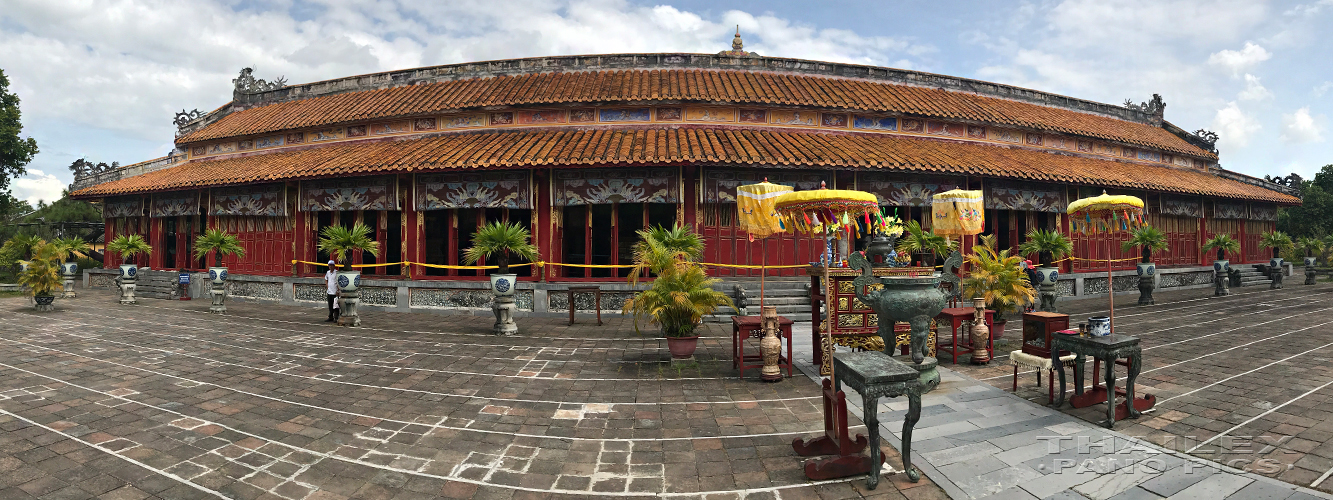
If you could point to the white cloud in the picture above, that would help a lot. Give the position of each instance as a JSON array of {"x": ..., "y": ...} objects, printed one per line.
[
  {"x": 1300, "y": 127},
  {"x": 1254, "y": 91},
  {"x": 1234, "y": 127},
  {"x": 1309, "y": 9},
  {"x": 37, "y": 185},
  {"x": 1240, "y": 61},
  {"x": 1323, "y": 88}
]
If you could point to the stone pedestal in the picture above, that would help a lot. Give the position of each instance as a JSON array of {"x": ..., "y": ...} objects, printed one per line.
[
  {"x": 219, "y": 293},
  {"x": 1048, "y": 296},
  {"x": 349, "y": 315},
  {"x": 69, "y": 287},
  {"x": 1310, "y": 275},
  {"x": 1275, "y": 273},
  {"x": 1220, "y": 278},
  {"x": 127, "y": 292},
  {"x": 503, "y": 307},
  {"x": 44, "y": 303}
]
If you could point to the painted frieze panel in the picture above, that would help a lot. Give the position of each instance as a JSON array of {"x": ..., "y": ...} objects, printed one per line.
[
  {"x": 1026, "y": 196},
  {"x": 541, "y": 117},
  {"x": 1263, "y": 211},
  {"x": 594, "y": 186},
  {"x": 720, "y": 185},
  {"x": 874, "y": 122},
  {"x": 505, "y": 118},
  {"x": 222, "y": 147},
  {"x": 897, "y": 190},
  {"x": 1010, "y": 136},
  {"x": 390, "y": 128},
  {"x": 710, "y": 114},
  {"x": 463, "y": 121},
  {"x": 356, "y": 131},
  {"x": 364, "y": 193},
  {"x": 910, "y": 125},
  {"x": 492, "y": 189},
  {"x": 423, "y": 124},
  {"x": 583, "y": 115},
  {"x": 976, "y": 132},
  {"x": 625, "y": 115},
  {"x": 271, "y": 141},
  {"x": 1187, "y": 207},
  {"x": 1229, "y": 210},
  {"x": 793, "y": 117},
  {"x": 332, "y": 134},
  {"x": 670, "y": 114},
  {"x": 129, "y": 206},
  {"x": 263, "y": 200},
  {"x": 173, "y": 204},
  {"x": 943, "y": 128},
  {"x": 833, "y": 120}
]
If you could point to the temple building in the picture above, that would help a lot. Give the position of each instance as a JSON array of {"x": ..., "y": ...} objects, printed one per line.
[{"x": 586, "y": 150}]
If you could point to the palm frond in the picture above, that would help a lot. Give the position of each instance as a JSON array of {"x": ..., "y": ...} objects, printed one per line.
[
  {"x": 129, "y": 246},
  {"x": 222, "y": 242},
  {"x": 338, "y": 241}
]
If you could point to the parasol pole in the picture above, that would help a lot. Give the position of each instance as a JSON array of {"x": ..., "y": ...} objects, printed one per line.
[
  {"x": 1110, "y": 283},
  {"x": 763, "y": 267}
]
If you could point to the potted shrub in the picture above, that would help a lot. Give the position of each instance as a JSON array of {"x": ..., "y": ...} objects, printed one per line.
[
  {"x": 1000, "y": 280},
  {"x": 1223, "y": 243},
  {"x": 129, "y": 246},
  {"x": 1148, "y": 239},
  {"x": 340, "y": 242},
  {"x": 681, "y": 294},
  {"x": 1278, "y": 241},
  {"x": 42, "y": 275},
  {"x": 501, "y": 239},
  {"x": 18, "y": 250},
  {"x": 1309, "y": 246},
  {"x": 220, "y": 243},
  {"x": 919, "y": 241},
  {"x": 69, "y": 250},
  {"x": 1049, "y": 246}
]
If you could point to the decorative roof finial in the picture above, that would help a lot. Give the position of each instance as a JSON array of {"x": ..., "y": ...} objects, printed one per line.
[
  {"x": 737, "y": 47},
  {"x": 736, "y": 42}
]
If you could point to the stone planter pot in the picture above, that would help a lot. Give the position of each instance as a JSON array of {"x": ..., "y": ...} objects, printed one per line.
[
  {"x": 503, "y": 285},
  {"x": 44, "y": 303},
  {"x": 129, "y": 274},
  {"x": 1276, "y": 262},
  {"x": 1046, "y": 279},
  {"x": 349, "y": 281},
  {"x": 69, "y": 269},
  {"x": 682, "y": 347},
  {"x": 218, "y": 275},
  {"x": 1147, "y": 272}
]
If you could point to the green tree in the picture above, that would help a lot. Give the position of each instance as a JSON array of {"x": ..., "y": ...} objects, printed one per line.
[
  {"x": 15, "y": 152},
  {"x": 1314, "y": 217}
]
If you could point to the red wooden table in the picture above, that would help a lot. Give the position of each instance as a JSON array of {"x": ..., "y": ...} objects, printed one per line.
[
  {"x": 747, "y": 327},
  {"x": 956, "y": 316}
]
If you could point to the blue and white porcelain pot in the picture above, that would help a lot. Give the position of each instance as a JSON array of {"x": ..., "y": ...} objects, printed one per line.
[
  {"x": 348, "y": 281},
  {"x": 69, "y": 268},
  {"x": 1147, "y": 269},
  {"x": 1099, "y": 326},
  {"x": 1222, "y": 265},
  {"x": 1309, "y": 261},
  {"x": 23, "y": 267},
  {"x": 218, "y": 275},
  {"x": 503, "y": 285},
  {"x": 129, "y": 272},
  {"x": 1047, "y": 275},
  {"x": 1276, "y": 262}
]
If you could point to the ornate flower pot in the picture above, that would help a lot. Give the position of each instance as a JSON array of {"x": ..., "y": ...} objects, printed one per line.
[
  {"x": 1046, "y": 279},
  {"x": 68, "y": 270},
  {"x": 502, "y": 285},
  {"x": 217, "y": 277},
  {"x": 1221, "y": 268},
  {"x": 129, "y": 274},
  {"x": 43, "y": 303},
  {"x": 348, "y": 282},
  {"x": 1275, "y": 272},
  {"x": 1310, "y": 261},
  {"x": 997, "y": 332},
  {"x": 682, "y": 347},
  {"x": 1147, "y": 282},
  {"x": 23, "y": 267},
  {"x": 1099, "y": 326}
]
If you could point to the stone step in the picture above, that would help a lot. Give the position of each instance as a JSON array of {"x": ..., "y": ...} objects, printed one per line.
[{"x": 797, "y": 317}]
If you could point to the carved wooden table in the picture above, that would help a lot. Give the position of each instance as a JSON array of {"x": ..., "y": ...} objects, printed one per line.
[
  {"x": 874, "y": 375},
  {"x": 596, "y": 292},
  {"x": 747, "y": 327},
  {"x": 1105, "y": 349}
]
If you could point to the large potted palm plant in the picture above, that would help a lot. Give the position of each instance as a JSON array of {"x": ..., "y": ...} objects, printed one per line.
[
  {"x": 70, "y": 249},
  {"x": 915, "y": 240},
  {"x": 42, "y": 275},
  {"x": 1223, "y": 243},
  {"x": 340, "y": 243},
  {"x": 129, "y": 246},
  {"x": 680, "y": 295},
  {"x": 221, "y": 243},
  {"x": 1310, "y": 247},
  {"x": 1147, "y": 239},
  {"x": 998, "y": 278},
  {"x": 18, "y": 249},
  {"x": 501, "y": 240},
  {"x": 1049, "y": 246},
  {"x": 1278, "y": 241}
]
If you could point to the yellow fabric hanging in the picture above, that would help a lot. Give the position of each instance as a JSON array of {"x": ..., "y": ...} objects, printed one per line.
[
  {"x": 754, "y": 204},
  {"x": 957, "y": 213}
]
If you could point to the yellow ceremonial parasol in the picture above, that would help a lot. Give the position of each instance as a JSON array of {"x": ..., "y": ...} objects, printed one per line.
[
  {"x": 757, "y": 217},
  {"x": 1106, "y": 214},
  {"x": 957, "y": 213}
]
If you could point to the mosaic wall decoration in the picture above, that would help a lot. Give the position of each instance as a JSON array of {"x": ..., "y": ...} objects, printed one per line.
[
  {"x": 223, "y": 147},
  {"x": 173, "y": 204},
  {"x": 625, "y": 115},
  {"x": 720, "y": 185},
  {"x": 874, "y": 122},
  {"x": 386, "y": 296},
  {"x": 900, "y": 191},
  {"x": 789, "y": 117},
  {"x": 541, "y": 117},
  {"x": 267, "y": 290},
  {"x": 1224, "y": 210},
  {"x": 592, "y": 186},
  {"x": 486, "y": 189},
  {"x": 356, "y": 131},
  {"x": 463, "y": 121},
  {"x": 949, "y": 129},
  {"x": 837, "y": 120},
  {"x": 130, "y": 206},
  {"x": 332, "y": 134},
  {"x": 583, "y": 115},
  {"x": 296, "y": 138},
  {"x": 1263, "y": 211},
  {"x": 309, "y": 293},
  {"x": 245, "y": 145},
  {"x": 1188, "y": 207},
  {"x": 976, "y": 132},
  {"x": 1149, "y": 155},
  {"x": 753, "y": 116},
  {"x": 262, "y": 200},
  {"x": 1032, "y": 139},
  {"x": 390, "y": 128},
  {"x": 441, "y": 298},
  {"x": 423, "y": 124},
  {"x": 670, "y": 114},
  {"x": 271, "y": 141},
  {"x": 502, "y": 118},
  {"x": 1026, "y": 196},
  {"x": 358, "y": 193},
  {"x": 198, "y": 151},
  {"x": 710, "y": 114},
  {"x": 910, "y": 125}
]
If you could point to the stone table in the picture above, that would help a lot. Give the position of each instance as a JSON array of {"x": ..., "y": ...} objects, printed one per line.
[
  {"x": 874, "y": 375},
  {"x": 1107, "y": 349}
]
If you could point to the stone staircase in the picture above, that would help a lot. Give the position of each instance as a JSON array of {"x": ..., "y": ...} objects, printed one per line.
[
  {"x": 789, "y": 295},
  {"x": 1251, "y": 276}
]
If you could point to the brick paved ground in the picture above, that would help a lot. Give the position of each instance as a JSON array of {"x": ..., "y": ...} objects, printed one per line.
[
  {"x": 162, "y": 400},
  {"x": 1244, "y": 380}
]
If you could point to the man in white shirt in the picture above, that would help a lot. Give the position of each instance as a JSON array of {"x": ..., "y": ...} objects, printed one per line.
[{"x": 331, "y": 285}]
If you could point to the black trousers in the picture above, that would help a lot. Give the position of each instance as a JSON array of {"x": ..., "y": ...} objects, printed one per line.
[{"x": 333, "y": 311}]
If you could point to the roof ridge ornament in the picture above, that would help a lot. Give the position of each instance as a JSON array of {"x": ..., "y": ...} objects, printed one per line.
[
  {"x": 246, "y": 83},
  {"x": 1155, "y": 108},
  {"x": 1206, "y": 139},
  {"x": 737, "y": 47}
]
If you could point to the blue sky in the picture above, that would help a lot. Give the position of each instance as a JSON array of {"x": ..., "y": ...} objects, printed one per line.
[{"x": 101, "y": 80}]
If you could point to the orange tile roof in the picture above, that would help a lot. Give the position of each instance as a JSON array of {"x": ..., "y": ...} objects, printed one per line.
[
  {"x": 649, "y": 145},
  {"x": 689, "y": 85}
]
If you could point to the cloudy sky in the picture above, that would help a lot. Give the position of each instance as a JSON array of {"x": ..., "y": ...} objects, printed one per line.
[{"x": 102, "y": 79}]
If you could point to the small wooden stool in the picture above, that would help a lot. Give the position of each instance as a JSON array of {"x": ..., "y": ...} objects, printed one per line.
[{"x": 596, "y": 292}]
